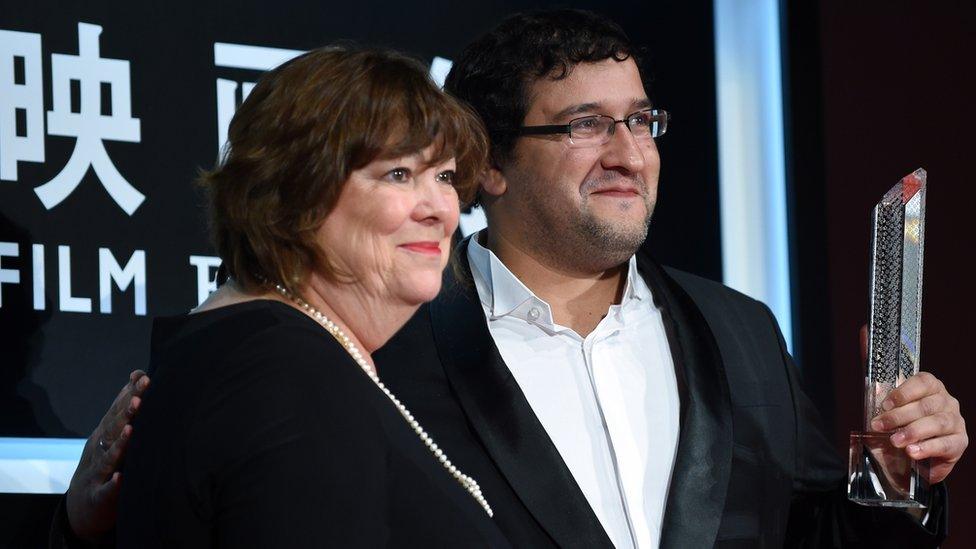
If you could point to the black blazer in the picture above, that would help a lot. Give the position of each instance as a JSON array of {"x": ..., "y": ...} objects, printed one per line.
[{"x": 753, "y": 468}]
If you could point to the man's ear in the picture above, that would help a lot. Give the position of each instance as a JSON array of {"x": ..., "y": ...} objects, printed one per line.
[{"x": 493, "y": 183}]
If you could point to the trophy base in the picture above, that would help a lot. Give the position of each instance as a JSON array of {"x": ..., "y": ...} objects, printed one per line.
[{"x": 882, "y": 475}]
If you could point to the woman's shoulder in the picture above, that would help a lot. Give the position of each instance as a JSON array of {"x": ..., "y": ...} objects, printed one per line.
[
  {"x": 256, "y": 359},
  {"x": 261, "y": 322},
  {"x": 254, "y": 340}
]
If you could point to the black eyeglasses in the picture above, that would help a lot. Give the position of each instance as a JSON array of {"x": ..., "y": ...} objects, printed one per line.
[{"x": 596, "y": 130}]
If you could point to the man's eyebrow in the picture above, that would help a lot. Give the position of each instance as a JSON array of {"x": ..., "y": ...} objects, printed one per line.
[
  {"x": 638, "y": 104},
  {"x": 576, "y": 109}
]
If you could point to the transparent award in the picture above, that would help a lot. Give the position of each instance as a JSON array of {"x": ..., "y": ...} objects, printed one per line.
[{"x": 881, "y": 474}]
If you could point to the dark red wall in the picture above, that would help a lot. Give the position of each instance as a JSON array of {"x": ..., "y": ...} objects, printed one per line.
[{"x": 898, "y": 91}]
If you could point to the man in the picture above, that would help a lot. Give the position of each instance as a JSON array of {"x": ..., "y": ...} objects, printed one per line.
[{"x": 598, "y": 398}]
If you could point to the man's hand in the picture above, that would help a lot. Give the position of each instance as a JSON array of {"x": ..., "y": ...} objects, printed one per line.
[
  {"x": 926, "y": 421},
  {"x": 94, "y": 488}
]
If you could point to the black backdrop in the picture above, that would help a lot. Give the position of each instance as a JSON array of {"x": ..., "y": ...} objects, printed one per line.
[{"x": 59, "y": 370}]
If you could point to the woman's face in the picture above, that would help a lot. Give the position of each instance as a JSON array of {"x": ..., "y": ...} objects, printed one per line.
[{"x": 391, "y": 228}]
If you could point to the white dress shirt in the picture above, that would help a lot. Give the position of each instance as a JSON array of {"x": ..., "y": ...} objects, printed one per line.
[{"x": 608, "y": 401}]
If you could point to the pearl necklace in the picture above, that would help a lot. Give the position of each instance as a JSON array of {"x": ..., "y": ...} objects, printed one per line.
[{"x": 466, "y": 482}]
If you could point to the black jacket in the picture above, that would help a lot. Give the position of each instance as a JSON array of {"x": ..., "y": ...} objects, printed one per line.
[{"x": 753, "y": 468}]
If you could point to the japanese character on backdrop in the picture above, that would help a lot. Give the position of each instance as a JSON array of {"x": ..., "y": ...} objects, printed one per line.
[
  {"x": 89, "y": 125},
  {"x": 22, "y": 99}
]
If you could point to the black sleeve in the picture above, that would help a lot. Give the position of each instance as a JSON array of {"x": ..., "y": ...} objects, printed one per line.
[
  {"x": 280, "y": 450},
  {"x": 820, "y": 513},
  {"x": 61, "y": 536}
]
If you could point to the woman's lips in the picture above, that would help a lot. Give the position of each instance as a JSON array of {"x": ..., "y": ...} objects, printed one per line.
[{"x": 425, "y": 248}]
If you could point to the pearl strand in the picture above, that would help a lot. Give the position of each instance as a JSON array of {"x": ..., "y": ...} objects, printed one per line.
[{"x": 468, "y": 483}]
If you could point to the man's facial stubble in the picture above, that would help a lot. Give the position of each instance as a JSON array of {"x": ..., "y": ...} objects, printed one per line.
[{"x": 571, "y": 234}]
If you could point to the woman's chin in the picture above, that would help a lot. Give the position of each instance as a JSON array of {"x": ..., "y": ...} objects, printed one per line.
[{"x": 418, "y": 292}]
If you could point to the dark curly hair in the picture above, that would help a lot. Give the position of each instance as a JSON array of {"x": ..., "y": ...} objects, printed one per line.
[{"x": 494, "y": 72}]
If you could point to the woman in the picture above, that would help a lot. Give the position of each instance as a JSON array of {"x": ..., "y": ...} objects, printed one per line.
[{"x": 266, "y": 423}]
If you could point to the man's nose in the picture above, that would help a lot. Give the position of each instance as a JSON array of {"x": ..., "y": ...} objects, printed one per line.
[{"x": 623, "y": 151}]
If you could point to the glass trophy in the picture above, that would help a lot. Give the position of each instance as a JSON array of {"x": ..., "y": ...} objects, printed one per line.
[{"x": 881, "y": 474}]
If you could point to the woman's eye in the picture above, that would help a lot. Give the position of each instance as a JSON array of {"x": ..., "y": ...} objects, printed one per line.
[
  {"x": 398, "y": 174},
  {"x": 447, "y": 176}
]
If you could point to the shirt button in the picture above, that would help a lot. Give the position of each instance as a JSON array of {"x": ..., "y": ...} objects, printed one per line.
[{"x": 534, "y": 313}]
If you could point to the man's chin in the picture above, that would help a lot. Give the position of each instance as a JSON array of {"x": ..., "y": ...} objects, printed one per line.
[
  {"x": 611, "y": 244},
  {"x": 624, "y": 226},
  {"x": 618, "y": 211}
]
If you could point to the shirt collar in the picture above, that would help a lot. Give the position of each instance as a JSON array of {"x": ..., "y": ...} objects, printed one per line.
[
  {"x": 635, "y": 289},
  {"x": 503, "y": 294},
  {"x": 500, "y": 291}
]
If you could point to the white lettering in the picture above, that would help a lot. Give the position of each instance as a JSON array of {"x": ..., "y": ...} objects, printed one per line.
[
  {"x": 246, "y": 88},
  {"x": 26, "y": 96},
  {"x": 258, "y": 58},
  {"x": 38, "y": 250},
  {"x": 206, "y": 283},
  {"x": 226, "y": 106},
  {"x": 134, "y": 271},
  {"x": 262, "y": 58},
  {"x": 8, "y": 276},
  {"x": 89, "y": 126},
  {"x": 241, "y": 56},
  {"x": 67, "y": 302}
]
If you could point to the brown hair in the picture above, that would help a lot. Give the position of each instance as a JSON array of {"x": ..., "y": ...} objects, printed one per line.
[{"x": 299, "y": 135}]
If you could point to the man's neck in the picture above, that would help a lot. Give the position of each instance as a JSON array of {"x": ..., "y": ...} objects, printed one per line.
[{"x": 579, "y": 298}]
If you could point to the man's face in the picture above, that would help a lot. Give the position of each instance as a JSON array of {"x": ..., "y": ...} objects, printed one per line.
[{"x": 589, "y": 206}]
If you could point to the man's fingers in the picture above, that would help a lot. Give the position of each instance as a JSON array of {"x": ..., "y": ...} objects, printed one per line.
[
  {"x": 918, "y": 386},
  {"x": 123, "y": 408},
  {"x": 108, "y": 460},
  {"x": 107, "y": 494},
  {"x": 118, "y": 406},
  {"x": 134, "y": 404},
  {"x": 138, "y": 381},
  {"x": 930, "y": 426},
  {"x": 110, "y": 428},
  {"x": 135, "y": 376},
  {"x": 949, "y": 447},
  {"x": 142, "y": 384},
  {"x": 913, "y": 411}
]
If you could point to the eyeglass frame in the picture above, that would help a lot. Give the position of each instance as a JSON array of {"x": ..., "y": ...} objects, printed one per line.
[{"x": 567, "y": 129}]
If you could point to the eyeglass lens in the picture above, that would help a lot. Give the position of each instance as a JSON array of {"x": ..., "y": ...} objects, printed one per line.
[{"x": 597, "y": 129}]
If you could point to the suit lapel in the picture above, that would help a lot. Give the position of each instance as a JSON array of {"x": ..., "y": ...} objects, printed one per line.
[
  {"x": 699, "y": 481},
  {"x": 504, "y": 420}
]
